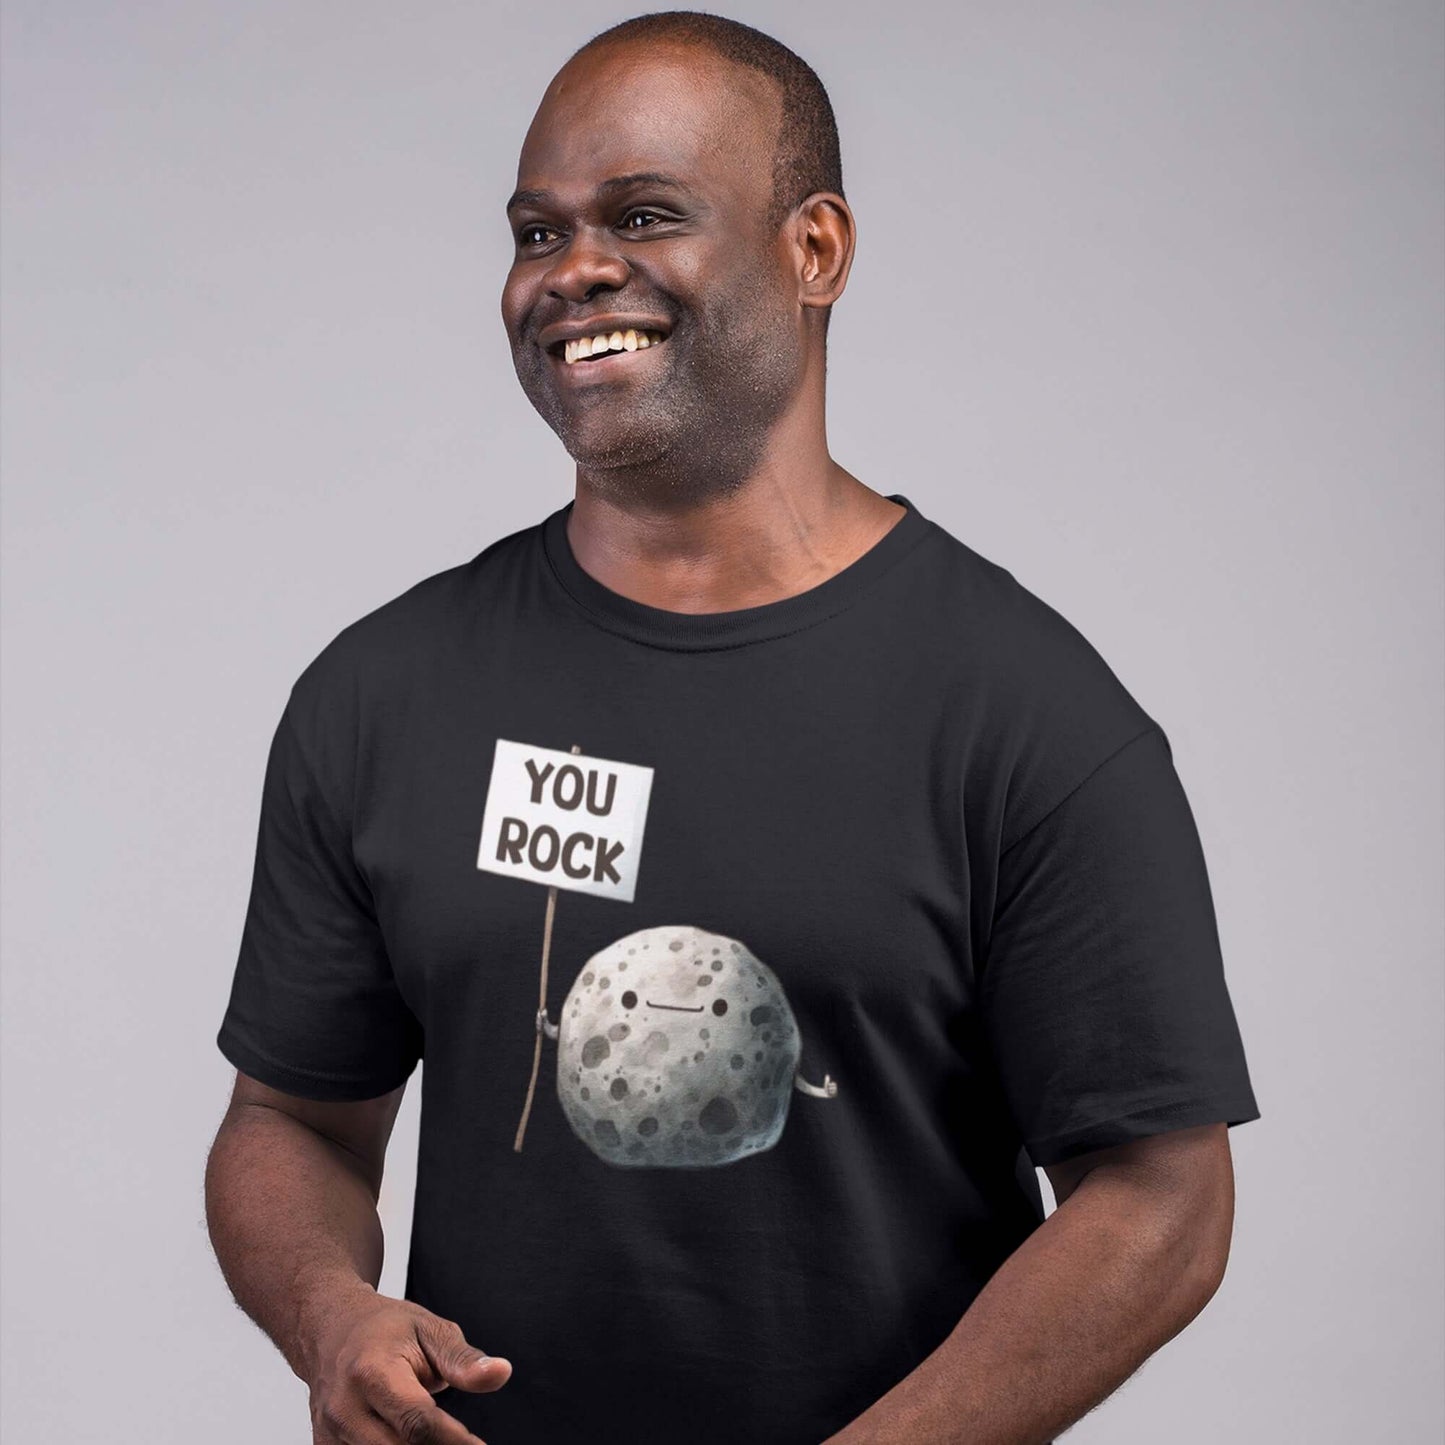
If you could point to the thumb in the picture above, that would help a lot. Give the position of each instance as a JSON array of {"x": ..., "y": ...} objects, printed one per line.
[{"x": 457, "y": 1362}]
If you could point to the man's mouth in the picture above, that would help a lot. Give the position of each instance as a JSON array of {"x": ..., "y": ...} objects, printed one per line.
[{"x": 588, "y": 349}]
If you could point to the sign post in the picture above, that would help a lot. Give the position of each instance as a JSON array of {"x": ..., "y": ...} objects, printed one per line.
[{"x": 568, "y": 821}]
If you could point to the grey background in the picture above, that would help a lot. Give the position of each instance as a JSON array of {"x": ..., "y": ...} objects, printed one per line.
[{"x": 1147, "y": 308}]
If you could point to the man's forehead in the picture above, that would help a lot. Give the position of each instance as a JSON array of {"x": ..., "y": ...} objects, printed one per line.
[{"x": 673, "y": 112}]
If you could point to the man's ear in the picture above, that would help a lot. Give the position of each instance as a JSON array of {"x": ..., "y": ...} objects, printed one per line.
[{"x": 826, "y": 236}]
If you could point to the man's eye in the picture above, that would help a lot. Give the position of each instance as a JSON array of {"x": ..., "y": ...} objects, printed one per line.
[
  {"x": 632, "y": 216},
  {"x": 525, "y": 234}
]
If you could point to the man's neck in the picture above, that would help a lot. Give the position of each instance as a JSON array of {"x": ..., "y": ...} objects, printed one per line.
[{"x": 769, "y": 538}]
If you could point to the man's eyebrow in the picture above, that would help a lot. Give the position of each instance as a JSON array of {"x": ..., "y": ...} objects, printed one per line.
[{"x": 607, "y": 188}]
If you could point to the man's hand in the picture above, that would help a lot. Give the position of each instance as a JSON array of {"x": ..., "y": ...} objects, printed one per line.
[
  {"x": 379, "y": 1361},
  {"x": 291, "y": 1193}
]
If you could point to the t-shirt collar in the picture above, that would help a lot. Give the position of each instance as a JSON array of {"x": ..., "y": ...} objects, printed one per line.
[{"x": 697, "y": 631}]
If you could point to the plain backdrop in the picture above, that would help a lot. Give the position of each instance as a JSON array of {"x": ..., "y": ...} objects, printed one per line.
[{"x": 1147, "y": 308}]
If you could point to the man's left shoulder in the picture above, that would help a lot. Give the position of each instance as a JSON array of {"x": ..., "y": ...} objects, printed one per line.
[
  {"x": 1047, "y": 707},
  {"x": 1039, "y": 674}
]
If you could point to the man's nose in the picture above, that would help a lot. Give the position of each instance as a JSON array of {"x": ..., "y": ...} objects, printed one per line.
[{"x": 590, "y": 262}]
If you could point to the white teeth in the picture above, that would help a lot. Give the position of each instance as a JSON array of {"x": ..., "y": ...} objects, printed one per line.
[{"x": 630, "y": 340}]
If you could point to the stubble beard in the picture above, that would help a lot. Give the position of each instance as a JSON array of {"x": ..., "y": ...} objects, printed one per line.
[{"x": 702, "y": 434}]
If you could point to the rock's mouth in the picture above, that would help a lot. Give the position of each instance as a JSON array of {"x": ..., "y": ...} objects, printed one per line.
[{"x": 676, "y": 1007}]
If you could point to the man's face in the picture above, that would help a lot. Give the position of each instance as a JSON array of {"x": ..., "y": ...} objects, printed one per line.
[{"x": 643, "y": 188}]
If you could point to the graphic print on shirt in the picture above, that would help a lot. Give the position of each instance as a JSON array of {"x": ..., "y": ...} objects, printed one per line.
[{"x": 677, "y": 1047}]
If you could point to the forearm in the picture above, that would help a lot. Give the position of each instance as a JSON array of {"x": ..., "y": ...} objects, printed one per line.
[
  {"x": 293, "y": 1221},
  {"x": 1107, "y": 1279}
]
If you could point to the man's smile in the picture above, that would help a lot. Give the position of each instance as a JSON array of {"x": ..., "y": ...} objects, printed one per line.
[
  {"x": 603, "y": 347},
  {"x": 603, "y": 364},
  {"x": 589, "y": 348}
]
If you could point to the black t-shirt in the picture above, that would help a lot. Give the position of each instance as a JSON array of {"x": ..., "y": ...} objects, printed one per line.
[{"x": 855, "y": 906}]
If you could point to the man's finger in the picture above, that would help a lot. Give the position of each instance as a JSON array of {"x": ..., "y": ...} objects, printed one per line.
[
  {"x": 353, "y": 1422},
  {"x": 406, "y": 1406},
  {"x": 363, "y": 1426},
  {"x": 457, "y": 1362}
]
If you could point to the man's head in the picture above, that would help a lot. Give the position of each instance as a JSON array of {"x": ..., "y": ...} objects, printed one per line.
[{"x": 680, "y": 176}]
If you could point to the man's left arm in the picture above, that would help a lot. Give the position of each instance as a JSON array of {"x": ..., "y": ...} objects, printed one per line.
[{"x": 1134, "y": 1251}]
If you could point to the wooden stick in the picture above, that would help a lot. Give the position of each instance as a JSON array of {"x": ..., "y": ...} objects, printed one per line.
[{"x": 541, "y": 1006}]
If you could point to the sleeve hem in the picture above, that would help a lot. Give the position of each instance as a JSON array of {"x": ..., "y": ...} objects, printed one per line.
[
  {"x": 305, "y": 1083},
  {"x": 1228, "y": 1109}
]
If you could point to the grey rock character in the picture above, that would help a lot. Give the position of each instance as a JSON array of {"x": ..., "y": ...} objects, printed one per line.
[{"x": 677, "y": 1048}]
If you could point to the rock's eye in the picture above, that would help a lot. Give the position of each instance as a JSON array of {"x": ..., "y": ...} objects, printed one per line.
[
  {"x": 629, "y": 999},
  {"x": 719, "y": 1006}
]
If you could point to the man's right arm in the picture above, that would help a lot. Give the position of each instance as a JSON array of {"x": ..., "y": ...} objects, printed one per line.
[{"x": 291, "y": 1193}]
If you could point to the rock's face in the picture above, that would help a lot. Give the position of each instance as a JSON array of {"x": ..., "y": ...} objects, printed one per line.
[{"x": 676, "y": 1048}]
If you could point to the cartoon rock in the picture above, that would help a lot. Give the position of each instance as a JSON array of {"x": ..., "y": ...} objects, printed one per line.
[{"x": 677, "y": 1048}]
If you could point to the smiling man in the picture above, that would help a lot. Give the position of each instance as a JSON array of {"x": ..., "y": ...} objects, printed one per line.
[{"x": 768, "y": 880}]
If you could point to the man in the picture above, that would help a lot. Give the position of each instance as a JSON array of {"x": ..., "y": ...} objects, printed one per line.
[{"x": 842, "y": 877}]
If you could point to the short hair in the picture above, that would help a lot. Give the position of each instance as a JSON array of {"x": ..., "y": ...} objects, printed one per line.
[{"x": 806, "y": 156}]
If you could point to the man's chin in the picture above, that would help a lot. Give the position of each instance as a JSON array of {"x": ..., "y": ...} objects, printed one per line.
[{"x": 600, "y": 445}]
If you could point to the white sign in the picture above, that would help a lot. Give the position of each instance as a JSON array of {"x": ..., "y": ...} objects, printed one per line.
[{"x": 565, "y": 819}]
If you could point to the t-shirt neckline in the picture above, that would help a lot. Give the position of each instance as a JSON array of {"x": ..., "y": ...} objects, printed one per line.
[{"x": 698, "y": 631}]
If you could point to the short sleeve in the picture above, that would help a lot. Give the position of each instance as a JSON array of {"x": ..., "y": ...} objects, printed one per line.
[
  {"x": 314, "y": 1009},
  {"x": 1103, "y": 991}
]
